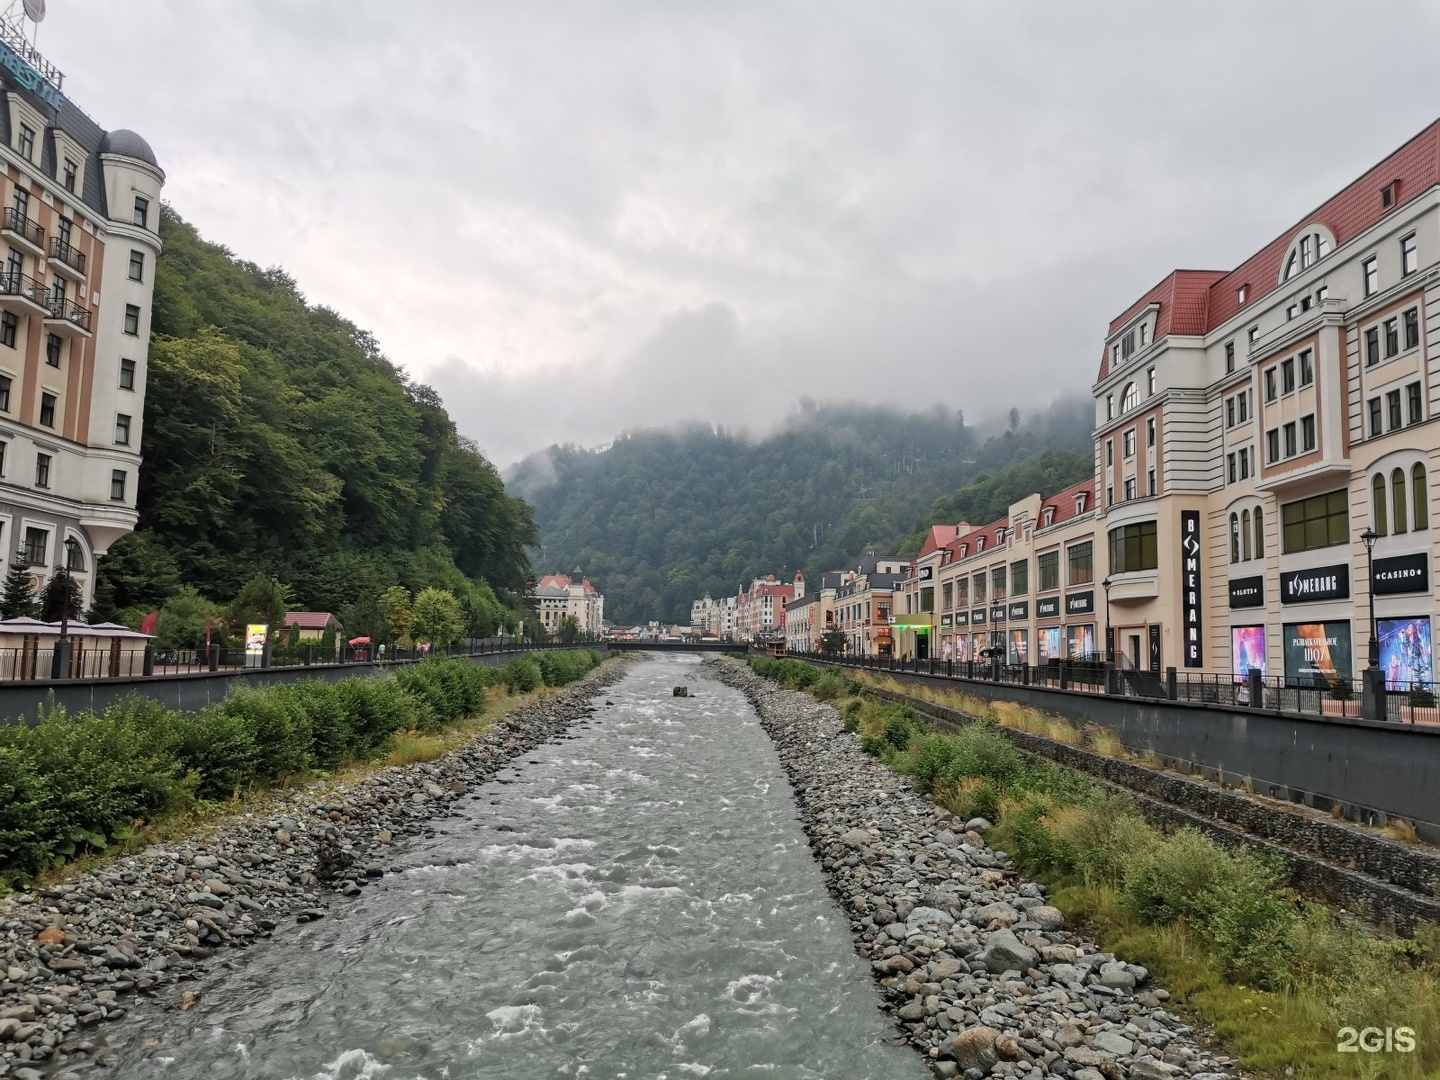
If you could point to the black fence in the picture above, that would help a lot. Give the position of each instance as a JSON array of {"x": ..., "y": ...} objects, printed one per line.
[{"x": 1341, "y": 699}]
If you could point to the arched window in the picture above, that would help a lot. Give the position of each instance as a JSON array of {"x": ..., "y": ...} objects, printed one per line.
[
  {"x": 1259, "y": 533},
  {"x": 1397, "y": 496},
  {"x": 1245, "y": 534},
  {"x": 1420, "y": 495},
  {"x": 1307, "y": 250},
  {"x": 1379, "y": 519},
  {"x": 1234, "y": 538},
  {"x": 1130, "y": 398}
]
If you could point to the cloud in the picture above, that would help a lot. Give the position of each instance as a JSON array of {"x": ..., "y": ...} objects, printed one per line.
[{"x": 576, "y": 219}]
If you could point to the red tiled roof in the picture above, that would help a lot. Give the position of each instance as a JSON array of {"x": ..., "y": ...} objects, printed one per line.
[
  {"x": 1064, "y": 502},
  {"x": 309, "y": 620},
  {"x": 940, "y": 535},
  {"x": 556, "y": 581},
  {"x": 1197, "y": 301},
  {"x": 971, "y": 538}
]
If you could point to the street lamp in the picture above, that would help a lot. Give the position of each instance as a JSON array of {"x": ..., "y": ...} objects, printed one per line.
[
  {"x": 1109, "y": 645},
  {"x": 60, "y": 667},
  {"x": 1369, "y": 536}
]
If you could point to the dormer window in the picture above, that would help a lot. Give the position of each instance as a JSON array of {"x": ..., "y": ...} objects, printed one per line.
[
  {"x": 1130, "y": 398},
  {"x": 1080, "y": 503},
  {"x": 979, "y": 544},
  {"x": 1308, "y": 249},
  {"x": 1390, "y": 194},
  {"x": 25, "y": 142},
  {"x": 1049, "y": 517},
  {"x": 1241, "y": 294}
]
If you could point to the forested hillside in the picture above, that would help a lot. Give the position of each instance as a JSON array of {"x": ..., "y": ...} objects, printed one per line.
[
  {"x": 279, "y": 441},
  {"x": 661, "y": 517}
]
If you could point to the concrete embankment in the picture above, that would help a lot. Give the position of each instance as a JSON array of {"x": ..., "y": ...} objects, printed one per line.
[
  {"x": 975, "y": 966},
  {"x": 78, "y": 957}
]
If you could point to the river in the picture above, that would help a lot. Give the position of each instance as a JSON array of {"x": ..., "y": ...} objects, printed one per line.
[{"x": 636, "y": 901}]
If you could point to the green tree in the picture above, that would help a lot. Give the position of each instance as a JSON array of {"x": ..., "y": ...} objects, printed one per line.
[
  {"x": 399, "y": 615},
  {"x": 62, "y": 597},
  {"x": 260, "y": 600},
  {"x": 832, "y": 642},
  {"x": 439, "y": 618},
  {"x": 17, "y": 598},
  {"x": 183, "y": 619},
  {"x": 136, "y": 574},
  {"x": 570, "y": 630},
  {"x": 327, "y": 642}
]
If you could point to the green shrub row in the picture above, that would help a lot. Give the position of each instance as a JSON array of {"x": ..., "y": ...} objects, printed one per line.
[{"x": 74, "y": 783}]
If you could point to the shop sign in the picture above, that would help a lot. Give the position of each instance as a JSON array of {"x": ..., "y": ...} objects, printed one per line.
[
  {"x": 1048, "y": 608},
  {"x": 1317, "y": 583},
  {"x": 1402, "y": 574},
  {"x": 1019, "y": 610},
  {"x": 1190, "y": 587},
  {"x": 1080, "y": 603},
  {"x": 1247, "y": 592}
]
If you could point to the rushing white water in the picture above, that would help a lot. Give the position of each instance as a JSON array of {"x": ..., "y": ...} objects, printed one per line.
[{"x": 640, "y": 902}]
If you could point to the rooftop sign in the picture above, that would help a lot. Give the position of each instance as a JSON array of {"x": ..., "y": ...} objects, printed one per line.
[{"x": 31, "y": 70}]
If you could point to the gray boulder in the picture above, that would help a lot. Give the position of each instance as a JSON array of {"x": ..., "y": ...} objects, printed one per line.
[{"x": 1003, "y": 951}]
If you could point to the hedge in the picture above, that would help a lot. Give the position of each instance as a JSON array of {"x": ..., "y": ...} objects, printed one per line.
[{"x": 76, "y": 783}]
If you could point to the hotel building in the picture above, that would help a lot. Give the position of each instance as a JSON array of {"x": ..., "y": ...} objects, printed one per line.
[
  {"x": 561, "y": 596},
  {"x": 79, "y": 234}
]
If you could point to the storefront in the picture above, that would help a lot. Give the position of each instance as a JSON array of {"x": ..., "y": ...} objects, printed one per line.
[
  {"x": 1247, "y": 635},
  {"x": 1316, "y": 638},
  {"x": 1080, "y": 625}
]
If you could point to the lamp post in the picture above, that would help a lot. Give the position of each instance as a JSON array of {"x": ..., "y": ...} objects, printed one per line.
[
  {"x": 1109, "y": 648},
  {"x": 61, "y": 665},
  {"x": 1369, "y": 536}
]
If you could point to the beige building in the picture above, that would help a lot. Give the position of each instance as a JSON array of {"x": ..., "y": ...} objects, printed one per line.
[
  {"x": 562, "y": 596},
  {"x": 812, "y": 615},
  {"x": 79, "y": 235},
  {"x": 1252, "y": 424},
  {"x": 864, "y": 604}
]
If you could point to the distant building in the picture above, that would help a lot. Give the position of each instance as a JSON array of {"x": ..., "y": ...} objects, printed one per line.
[
  {"x": 559, "y": 596},
  {"x": 760, "y": 607},
  {"x": 810, "y": 615},
  {"x": 863, "y": 605},
  {"x": 311, "y": 625},
  {"x": 80, "y": 236}
]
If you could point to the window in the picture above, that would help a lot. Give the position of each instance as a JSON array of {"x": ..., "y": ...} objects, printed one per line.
[
  {"x": 1245, "y": 534},
  {"x": 9, "y": 327},
  {"x": 26, "y": 142},
  {"x": 1387, "y": 194},
  {"x": 1307, "y": 433},
  {"x": 997, "y": 583},
  {"x": 1409, "y": 255},
  {"x": 21, "y": 202},
  {"x": 3, "y": 448},
  {"x": 74, "y": 557},
  {"x": 142, "y": 212},
  {"x": 37, "y": 543},
  {"x": 1229, "y": 412},
  {"x": 1080, "y": 563},
  {"x": 47, "y": 410},
  {"x": 1308, "y": 250},
  {"x": 1321, "y": 293},
  {"x": 132, "y": 320},
  {"x": 1020, "y": 578},
  {"x": 70, "y": 172},
  {"x": 1047, "y": 571},
  {"x": 1109, "y": 451},
  {"x": 1372, "y": 346},
  {"x": 1392, "y": 337},
  {"x": 1270, "y": 384},
  {"x": 1412, "y": 393},
  {"x": 1130, "y": 398},
  {"x": 1420, "y": 493},
  {"x": 1127, "y": 345},
  {"x": 1317, "y": 522},
  {"x": 1230, "y": 464},
  {"x": 4, "y": 393},
  {"x": 1392, "y": 409},
  {"x": 1150, "y": 432},
  {"x": 1244, "y": 463},
  {"x": 1150, "y": 483},
  {"x": 1129, "y": 488},
  {"x": 1412, "y": 328},
  {"x": 1397, "y": 493},
  {"x": 14, "y": 268},
  {"x": 1129, "y": 443},
  {"x": 1244, "y": 406},
  {"x": 137, "y": 266},
  {"x": 1229, "y": 357},
  {"x": 962, "y": 592},
  {"x": 127, "y": 374},
  {"x": 1375, "y": 414},
  {"x": 1287, "y": 376},
  {"x": 1372, "y": 276},
  {"x": 1109, "y": 406},
  {"x": 1289, "y": 436},
  {"x": 1259, "y": 533},
  {"x": 1272, "y": 445},
  {"x": 122, "y": 429},
  {"x": 52, "y": 349},
  {"x": 1144, "y": 334},
  {"x": 1292, "y": 311},
  {"x": 980, "y": 588},
  {"x": 1379, "y": 518},
  {"x": 1234, "y": 537},
  {"x": 117, "y": 486},
  {"x": 1150, "y": 382},
  {"x": 42, "y": 470},
  {"x": 1307, "y": 367},
  {"x": 1251, "y": 335},
  {"x": 1133, "y": 547},
  {"x": 1241, "y": 293}
]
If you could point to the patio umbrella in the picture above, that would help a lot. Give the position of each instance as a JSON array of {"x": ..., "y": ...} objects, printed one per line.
[{"x": 359, "y": 641}]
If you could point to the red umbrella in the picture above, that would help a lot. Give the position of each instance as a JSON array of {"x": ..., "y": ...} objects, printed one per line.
[{"x": 359, "y": 641}]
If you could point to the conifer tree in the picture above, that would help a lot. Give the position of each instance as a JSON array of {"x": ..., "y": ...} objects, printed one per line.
[{"x": 17, "y": 595}]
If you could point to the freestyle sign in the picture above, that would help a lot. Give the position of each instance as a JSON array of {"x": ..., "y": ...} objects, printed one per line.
[{"x": 29, "y": 78}]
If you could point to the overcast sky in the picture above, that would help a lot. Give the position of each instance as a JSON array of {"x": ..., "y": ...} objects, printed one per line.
[{"x": 577, "y": 218}]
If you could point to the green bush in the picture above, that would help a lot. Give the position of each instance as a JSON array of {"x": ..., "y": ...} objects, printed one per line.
[
  {"x": 27, "y": 826},
  {"x": 331, "y": 735},
  {"x": 522, "y": 675},
  {"x": 220, "y": 749},
  {"x": 829, "y": 685}
]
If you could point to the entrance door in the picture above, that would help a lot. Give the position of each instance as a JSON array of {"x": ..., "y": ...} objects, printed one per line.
[
  {"x": 1134, "y": 656},
  {"x": 922, "y": 646}
]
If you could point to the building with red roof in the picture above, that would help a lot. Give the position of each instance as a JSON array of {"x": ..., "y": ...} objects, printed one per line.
[{"x": 562, "y": 596}]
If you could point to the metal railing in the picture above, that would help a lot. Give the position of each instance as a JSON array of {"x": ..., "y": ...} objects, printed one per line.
[
  {"x": 22, "y": 226},
  {"x": 16, "y": 284},
  {"x": 1414, "y": 703},
  {"x": 68, "y": 254},
  {"x": 68, "y": 311}
]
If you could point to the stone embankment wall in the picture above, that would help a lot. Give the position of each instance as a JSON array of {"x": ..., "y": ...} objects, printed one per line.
[
  {"x": 1384, "y": 880},
  {"x": 975, "y": 966}
]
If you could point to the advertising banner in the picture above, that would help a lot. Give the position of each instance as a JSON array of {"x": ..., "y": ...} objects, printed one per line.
[
  {"x": 1247, "y": 592},
  {"x": 962, "y": 618},
  {"x": 255, "y": 634},
  {"x": 1080, "y": 603},
  {"x": 1047, "y": 607},
  {"x": 1317, "y": 654},
  {"x": 997, "y": 613},
  {"x": 1320, "y": 583},
  {"x": 1048, "y": 643},
  {"x": 1082, "y": 641},
  {"x": 1019, "y": 610},
  {"x": 1402, "y": 574},
  {"x": 1190, "y": 588},
  {"x": 1405, "y": 652},
  {"x": 977, "y": 617},
  {"x": 1247, "y": 650},
  {"x": 1019, "y": 646}
]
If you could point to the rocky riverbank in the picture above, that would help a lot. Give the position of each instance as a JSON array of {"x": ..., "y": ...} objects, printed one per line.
[
  {"x": 976, "y": 968},
  {"x": 84, "y": 955}
]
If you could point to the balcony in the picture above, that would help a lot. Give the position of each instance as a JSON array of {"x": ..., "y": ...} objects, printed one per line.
[
  {"x": 66, "y": 259},
  {"x": 21, "y": 230},
  {"x": 66, "y": 318},
  {"x": 23, "y": 295}
]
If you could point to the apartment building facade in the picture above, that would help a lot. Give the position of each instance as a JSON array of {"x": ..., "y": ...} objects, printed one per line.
[
  {"x": 562, "y": 596},
  {"x": 79, "y": 234},
  {"x": 760, "y": 607},
  {"x": 864, "y": 604},
  {"x": 812, "y": 614},
  {"x": 1253, "y": 424}
]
